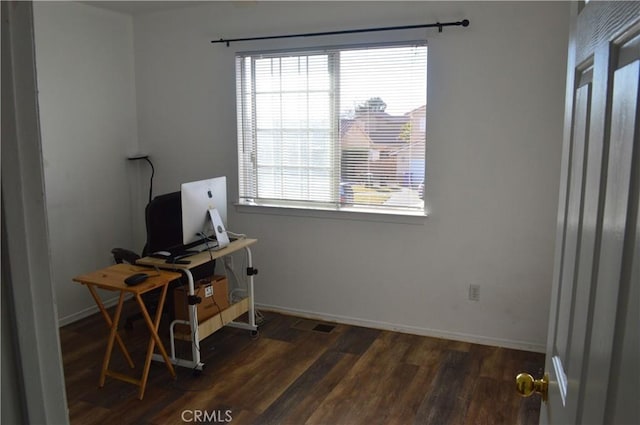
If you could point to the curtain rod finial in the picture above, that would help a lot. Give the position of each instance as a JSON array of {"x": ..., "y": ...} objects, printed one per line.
[{"x": 465, "y": 22}]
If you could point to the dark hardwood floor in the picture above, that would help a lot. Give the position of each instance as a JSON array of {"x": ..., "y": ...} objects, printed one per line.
[{"x": 292, "y": 374}]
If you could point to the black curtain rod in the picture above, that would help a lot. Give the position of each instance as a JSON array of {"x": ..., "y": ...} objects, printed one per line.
[{"x": 439, "y": 25}]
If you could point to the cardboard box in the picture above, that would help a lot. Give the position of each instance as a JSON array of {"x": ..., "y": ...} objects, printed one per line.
[{"x": 214, "y": 292}]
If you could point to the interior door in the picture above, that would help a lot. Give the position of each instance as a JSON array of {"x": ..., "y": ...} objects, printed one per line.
[{"x": 593, "y": 348}]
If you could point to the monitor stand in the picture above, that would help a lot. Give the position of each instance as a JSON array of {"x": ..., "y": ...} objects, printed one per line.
[{"x": 218, "y": 228}]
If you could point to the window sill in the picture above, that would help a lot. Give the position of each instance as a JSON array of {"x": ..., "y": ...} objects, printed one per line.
[{"x": 415, "y": 218}]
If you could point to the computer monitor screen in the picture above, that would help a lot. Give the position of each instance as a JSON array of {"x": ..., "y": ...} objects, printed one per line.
[{"x": 197, "y": 199}]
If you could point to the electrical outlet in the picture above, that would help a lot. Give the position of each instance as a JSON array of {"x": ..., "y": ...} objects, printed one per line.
[
  {"x": 474, "y": 292},
  {"x": 228, "y": 261}
]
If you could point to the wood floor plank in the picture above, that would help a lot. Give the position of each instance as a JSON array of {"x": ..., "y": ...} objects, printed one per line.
[
  {"x": 268, "y": 383},
  {"x": 351, "y": 375},
  {"x": 425, "y": 351},
  {"x": 441, "y": 405},
  {"x": 493, "y": 403},
  {"x": 240, "y": 375},
  {"x": 356, "y": 340},
  {"x": 408, "y": 404},
  {"x": 86, "y": 413},
  {"x": 366, "y": 383},
  {"x": 302, "y": 398},
  {"x": 379, "y": 409},
  {"x": 522, "y": 361},
  {"x": 132, "y": 411},
  {"x": 492, "y": 361},
  {"x": 281, "y": 328}
]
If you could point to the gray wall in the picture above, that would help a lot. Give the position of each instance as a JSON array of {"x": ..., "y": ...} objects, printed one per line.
[
  {"x": 495, "y": 108},
  {"x": 84, "y": 58}
]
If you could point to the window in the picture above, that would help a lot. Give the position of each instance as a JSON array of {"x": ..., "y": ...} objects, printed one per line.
[{"x": 333, "y": 128}]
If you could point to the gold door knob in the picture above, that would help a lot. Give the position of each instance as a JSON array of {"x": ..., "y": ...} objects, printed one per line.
[{"x": 526, "y": 385}]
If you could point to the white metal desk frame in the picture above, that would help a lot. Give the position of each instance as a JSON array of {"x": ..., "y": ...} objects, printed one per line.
[{"x": 199, "y": 259}]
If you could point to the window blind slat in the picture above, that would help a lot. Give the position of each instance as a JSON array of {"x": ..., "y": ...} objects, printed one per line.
[{"x": 339, "y": 126}]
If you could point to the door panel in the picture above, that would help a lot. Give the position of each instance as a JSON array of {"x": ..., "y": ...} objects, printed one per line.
[
  {"x": 625, "y": 392},
  {"x": 572, "y": 244},
  {"x": 581, "y": 216},
  {"x": 574, "y": 218},
  {"x": 614, "y": 230},
  {"x": 593, "y": 328}
]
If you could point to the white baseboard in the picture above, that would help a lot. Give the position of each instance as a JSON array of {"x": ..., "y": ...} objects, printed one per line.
[
  {"x": 414, "y": 330},
  {"x": 63, "y": 321},
  {"x": 455, "y": 336}
]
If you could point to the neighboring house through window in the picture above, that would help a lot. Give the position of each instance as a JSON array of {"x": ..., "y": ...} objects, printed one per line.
[{"x": 334, "y": 128}]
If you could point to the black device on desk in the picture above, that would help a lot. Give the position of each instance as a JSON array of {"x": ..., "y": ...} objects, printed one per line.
[
  {"x": 163, "y": 217},
  {"x": 164, "y": 230},
  {"x": 136, "y": 279}
]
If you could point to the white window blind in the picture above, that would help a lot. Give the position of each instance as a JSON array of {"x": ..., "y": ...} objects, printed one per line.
[{"x": 333, "y": 128}]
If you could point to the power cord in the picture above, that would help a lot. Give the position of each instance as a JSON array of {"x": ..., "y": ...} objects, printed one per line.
[
  {"x": 237, "y": 235},
  {"x": 205, "y": 238},
  {"x": 219, "y": 311}
]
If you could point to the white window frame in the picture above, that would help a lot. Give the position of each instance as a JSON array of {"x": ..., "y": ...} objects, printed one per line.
[{"x": 247, "y": 168}]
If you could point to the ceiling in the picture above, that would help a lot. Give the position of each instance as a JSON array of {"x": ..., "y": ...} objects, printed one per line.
[{"x": 141, "y": 6}]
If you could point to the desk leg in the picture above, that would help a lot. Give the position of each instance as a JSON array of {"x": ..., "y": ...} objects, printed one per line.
[
  {"x": 195, "y": 363},
  {"x": 252, "y": 306},
  {"x": 112, "y": 337},
  {"x": 193, "y": 320},
  {"x": 154, "y": 340},
  {"x": 107, "y": 319},
  {"x": 250, "y": 325}
]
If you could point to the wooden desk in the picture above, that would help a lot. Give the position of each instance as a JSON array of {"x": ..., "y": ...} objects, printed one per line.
[
  {"x": 200, "y": 258},
  {"x": 112, "y": 279},
  {"x": 225, "y": 317}
]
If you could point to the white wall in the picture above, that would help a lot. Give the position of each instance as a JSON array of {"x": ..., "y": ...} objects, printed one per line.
[
  {"x": 495, "y": 108},
  {"x": 84, "y": 59}
]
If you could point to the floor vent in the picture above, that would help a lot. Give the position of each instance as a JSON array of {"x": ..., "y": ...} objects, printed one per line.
[
  {"x": 313, "y": 325},
  {"x": 322, "y": 327}
]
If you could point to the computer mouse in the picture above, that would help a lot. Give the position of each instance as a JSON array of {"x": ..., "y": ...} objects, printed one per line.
[{"x": 136, "y": 279}]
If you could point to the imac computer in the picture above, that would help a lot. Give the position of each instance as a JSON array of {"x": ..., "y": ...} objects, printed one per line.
[{"x": 204, "y": 213}]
